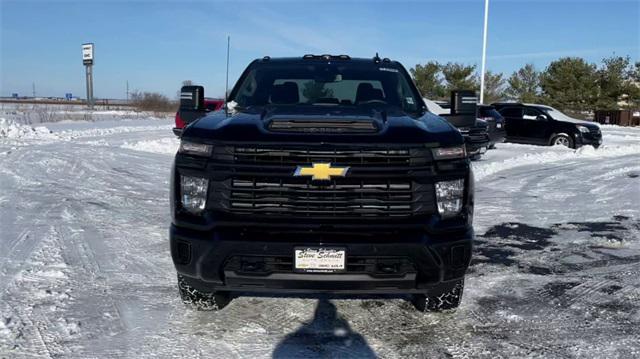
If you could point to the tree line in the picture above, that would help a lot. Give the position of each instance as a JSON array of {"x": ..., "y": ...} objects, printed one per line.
[{"x": 571, "y": 84}]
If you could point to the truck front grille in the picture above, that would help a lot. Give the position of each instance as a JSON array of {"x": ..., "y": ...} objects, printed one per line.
[
  {"x": 290, "y": 196},
  {"x": 380, "y": 183},
  {"x": 474, "y": 135}
]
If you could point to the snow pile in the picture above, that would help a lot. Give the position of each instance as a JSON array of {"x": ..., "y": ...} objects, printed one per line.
[
  {"x": 167, "y": 146},
  {"x": 556, "y": 154},
  {"x": 99, "y": 132},
  {"x": 5, "y": 332},
  {"x": 11, "y": 129}
]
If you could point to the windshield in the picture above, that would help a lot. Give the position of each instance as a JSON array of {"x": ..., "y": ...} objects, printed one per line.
[
  {"x": 556, "y": 114},
  {"x": 326, "y": 84},
  {"x": 435, "y": 108}
]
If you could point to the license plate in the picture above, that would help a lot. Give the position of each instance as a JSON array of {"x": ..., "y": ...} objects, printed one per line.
[{"x": 319, "y": 259}]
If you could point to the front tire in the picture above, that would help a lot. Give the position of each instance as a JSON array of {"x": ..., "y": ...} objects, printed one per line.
[
  {"x": 562, "y": 140},
  {"x": 199, "y": 300},
  {"x": 448, "y": 300}
]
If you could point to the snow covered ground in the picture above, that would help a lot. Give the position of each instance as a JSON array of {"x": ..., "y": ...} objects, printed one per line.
[
  {"x": 85, "y": 269},
  {"x": 24, "y": 113}
]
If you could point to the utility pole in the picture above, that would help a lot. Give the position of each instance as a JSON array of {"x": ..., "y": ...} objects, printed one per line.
[
  {"x": 127, "y": 91},
  {"x": 484, "y": 49},
  {"x": 89, "y": 74},
  {"x": 33, "y": 87}
]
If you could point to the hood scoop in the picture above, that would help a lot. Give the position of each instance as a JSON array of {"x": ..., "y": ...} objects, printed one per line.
[{"x": 338, "y": 126}]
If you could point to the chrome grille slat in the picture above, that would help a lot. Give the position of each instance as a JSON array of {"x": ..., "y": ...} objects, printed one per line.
[{"x": 347, "y": 197}]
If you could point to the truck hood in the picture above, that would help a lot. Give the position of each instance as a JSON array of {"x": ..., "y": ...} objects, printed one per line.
[
  {"x": 579, "y": 122},
  {"x": 392, "y": 126}
]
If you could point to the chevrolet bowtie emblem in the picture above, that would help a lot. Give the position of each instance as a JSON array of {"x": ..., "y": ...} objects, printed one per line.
[{"x": 321, "y": 171}]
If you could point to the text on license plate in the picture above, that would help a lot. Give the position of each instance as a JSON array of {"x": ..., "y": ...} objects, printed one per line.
[{"x": 319, "y": 259}]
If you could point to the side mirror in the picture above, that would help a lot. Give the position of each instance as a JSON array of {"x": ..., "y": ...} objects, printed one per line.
[
  {"x": 463, "y": 108},
  {"x": 541, "y": 118},
  {"x": 464, "y": 102},
  {"x": 192, "y": 98},
  {"x": 191, "y": 104}
]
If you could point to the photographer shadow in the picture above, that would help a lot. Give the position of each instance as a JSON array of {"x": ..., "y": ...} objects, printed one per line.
[{"x": 327, "y": 335}]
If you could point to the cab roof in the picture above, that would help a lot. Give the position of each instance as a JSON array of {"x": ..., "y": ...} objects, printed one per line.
[{"x": 327, "y": 58}]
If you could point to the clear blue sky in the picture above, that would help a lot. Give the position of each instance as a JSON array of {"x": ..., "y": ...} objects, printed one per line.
[{"x": 157, "y": 44}]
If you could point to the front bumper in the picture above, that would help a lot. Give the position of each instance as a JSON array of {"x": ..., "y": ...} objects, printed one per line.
[
  {"x": 475, "y": 147},
  {"x": 590, "y": 139},
  {"x": 497, "y": 136},
  {"x": 236, "y": 260}
]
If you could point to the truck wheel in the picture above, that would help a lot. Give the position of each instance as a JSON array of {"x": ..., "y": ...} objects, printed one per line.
[
  {"x": 562, "y": 140},
  {"x": 439, "y": 302},
  {"x": 199, "y": 300}
]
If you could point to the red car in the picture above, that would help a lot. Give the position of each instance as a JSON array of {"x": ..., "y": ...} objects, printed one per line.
[{"x": 211, "y": 104}]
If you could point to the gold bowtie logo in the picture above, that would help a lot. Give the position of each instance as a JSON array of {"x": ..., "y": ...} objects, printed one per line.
[{"x": 321, "y": 171}]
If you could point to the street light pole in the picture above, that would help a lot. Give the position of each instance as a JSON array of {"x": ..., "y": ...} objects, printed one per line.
[{"x": 484, "y": 49}]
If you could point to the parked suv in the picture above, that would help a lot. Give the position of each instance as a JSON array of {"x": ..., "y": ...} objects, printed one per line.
[
  {"x": 544, "y": 125},
  {"x": 324, "y": 174}
]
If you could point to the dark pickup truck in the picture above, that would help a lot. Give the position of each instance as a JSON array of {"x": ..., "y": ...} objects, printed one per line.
[
  {"x": 324, "y": 174},
  {"x": 474, "y": 130}
]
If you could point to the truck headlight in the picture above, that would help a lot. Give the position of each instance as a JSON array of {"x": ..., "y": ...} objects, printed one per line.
[
  {"x": 449, "y": 153},
  {"x": 449, "y": 196},
  {"x": 193, "y": 148},
  {"x": 193, "y": 193},
  {"x": 583, "y": 129}
]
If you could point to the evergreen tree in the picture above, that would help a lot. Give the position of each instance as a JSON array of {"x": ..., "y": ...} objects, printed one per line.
[
  {"x": 613, "y": 84},
  {"x": 460, "y": 77},
  {"x": 429, "y": 80},
  {"x": 524, "y": 85},
  {"x": 570, "y": 84},
  {"x": 632, "y": 81},
  {"x": 315, "y": 90},
  {"x": 493, "y": 87}
]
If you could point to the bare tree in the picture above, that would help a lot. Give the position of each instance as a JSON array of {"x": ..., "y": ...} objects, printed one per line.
[{"x": 152, "y": 101}]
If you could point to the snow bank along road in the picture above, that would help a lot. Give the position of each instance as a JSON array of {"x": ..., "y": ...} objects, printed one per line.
[{"x": 85, "y": 269}]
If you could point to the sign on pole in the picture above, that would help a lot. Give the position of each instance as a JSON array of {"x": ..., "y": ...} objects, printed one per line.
[
  {"x": 87, "y": 60},
  {"x": 87, "y": 54}
]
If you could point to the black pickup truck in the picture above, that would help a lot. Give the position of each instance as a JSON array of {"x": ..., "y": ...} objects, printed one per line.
[
  {"x": 476, "y": 131},
  {"x": 324, "y": 174}
]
